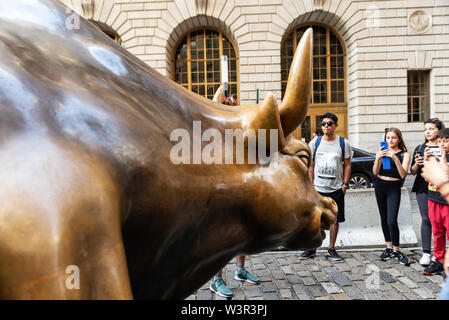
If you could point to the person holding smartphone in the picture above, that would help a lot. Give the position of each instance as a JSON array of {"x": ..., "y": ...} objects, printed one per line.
[
  {"x": 387, "y": 189},
  {"x": 431, "y": 129},
  {"x": 437, "y": 205}
]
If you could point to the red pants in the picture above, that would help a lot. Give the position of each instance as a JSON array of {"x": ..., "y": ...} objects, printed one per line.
[{"x": 439, "y": 218}]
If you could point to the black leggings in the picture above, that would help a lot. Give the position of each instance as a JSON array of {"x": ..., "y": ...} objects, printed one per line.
[{"x": 388, "y": 196}]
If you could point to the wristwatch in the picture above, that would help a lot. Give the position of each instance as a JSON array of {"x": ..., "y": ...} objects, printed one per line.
[{"x": 346, "y": 184}]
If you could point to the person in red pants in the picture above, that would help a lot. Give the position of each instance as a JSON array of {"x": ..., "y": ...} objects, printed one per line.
[{"x": 438, "y": 209}]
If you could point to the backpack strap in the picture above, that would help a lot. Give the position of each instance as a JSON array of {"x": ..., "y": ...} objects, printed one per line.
[
  {"x": 317, "y": 143},
  {"x": 342, "y": 146}
]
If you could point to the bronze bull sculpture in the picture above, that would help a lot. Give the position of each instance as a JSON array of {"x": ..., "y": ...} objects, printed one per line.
[{"x": 87, "y": 180}]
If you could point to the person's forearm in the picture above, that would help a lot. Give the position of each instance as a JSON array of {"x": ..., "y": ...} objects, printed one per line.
[
  {"x": 414, "y": 169},
  {"x": 376, "y": 167},
  {"x": 401, "y": 170},
  {"x": 444, "y": 190},
  {"x": 347, "y": 174}
]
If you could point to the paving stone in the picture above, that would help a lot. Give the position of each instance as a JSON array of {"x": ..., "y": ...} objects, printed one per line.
[
  {"x": 358, "y": 256},
  {"x": 394, "y": 272},
  {"x": 268, "y": 287},
  {"x": 324, "y": 298},
  {"x": 259, "y": 266},
  {"x": 416, "y": 276},
  {"x": 277, "y": 274},
  {"x": 320, "y": 276},
  {"x": 417, "y": 267},
  {"x": 304, "y": 274},
  {"x": 354, "y": 276},
  {"x": 338, "y": 278},
  {"x": 316, "y": 291},
  {"x": 385, "y": 276},
  {"x": 292, "y": 279},
  {"x": 343, "y": 267},
  {"x": 308, "y": 281},
  {"x": 282, "y": 262},
  {"x": 252, "y": 291},
  {"x": 282, "y": 284},
  {"x": 353, "y": 262},
  {"x": 285, "y": 293},
  {"x": 408, "y": 282},
  {"x": 272, "y": 266},
  {"x": 330, "y": 287},
  {"x": 400, "y": 287},
  {"x": 313, "y": 268},
  {"x": 298, "y": 267},
  {"x": 424, "y": 293},
  {"x": 299, "y": 289},
  {"x": 286, "y": 270},
  {"x": 340, "y": 296},
  {"x": 412, "y": 296},
  {"x": 271, "y": 296},
  {"x": 304, "y": 296},
  {"x": 373, "y": 296},
  {"x": 433, "y": 287},
  {"x": 353, "y": 293},
  {"x": 393, "y": 295},
  {"x": 436, "y": 279},
  {"x": 324, "y": 263}
]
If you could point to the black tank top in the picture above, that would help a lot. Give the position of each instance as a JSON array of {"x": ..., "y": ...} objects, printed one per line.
[{"x": 393, "y": 172}]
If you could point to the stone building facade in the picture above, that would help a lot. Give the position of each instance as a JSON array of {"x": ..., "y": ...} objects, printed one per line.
[{"x": 388, "y": 45}]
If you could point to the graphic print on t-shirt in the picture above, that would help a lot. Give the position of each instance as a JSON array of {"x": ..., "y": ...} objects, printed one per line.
[{"x": 326, "y": 165}]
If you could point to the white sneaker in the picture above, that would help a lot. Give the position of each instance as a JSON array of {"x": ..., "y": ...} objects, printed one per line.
[{"x": 425, "y": 259}]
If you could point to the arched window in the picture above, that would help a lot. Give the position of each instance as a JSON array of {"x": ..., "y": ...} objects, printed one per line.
[
  {"x": 329, "y": 77},
  {"x": 197, "y": 62}
]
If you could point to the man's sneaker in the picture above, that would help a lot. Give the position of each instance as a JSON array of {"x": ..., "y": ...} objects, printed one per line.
[
  {"x": 218, "y": 287},
  {"x": 386, "y": 255},
  {"x": 433, "y": 268},
  {"x": 334, "y": 255},
  {"x": 401, "y": 258},
  {"x": 309, "y": 253},
  {"x": 425, "y": 259},
  {"x": 244, "y": 275}
]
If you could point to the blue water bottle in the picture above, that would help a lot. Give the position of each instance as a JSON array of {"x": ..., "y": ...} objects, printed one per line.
[{"x": 385, "y": 160}]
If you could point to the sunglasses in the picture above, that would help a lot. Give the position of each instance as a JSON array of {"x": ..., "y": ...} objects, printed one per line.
[{"x": 329, "y": 123}]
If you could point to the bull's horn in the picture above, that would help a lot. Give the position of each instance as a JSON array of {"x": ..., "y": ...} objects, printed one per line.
[
  {"x": 218, "y": 95},
  {"x": 267, "y": 117},
  {"x": 297, "y": 95}
]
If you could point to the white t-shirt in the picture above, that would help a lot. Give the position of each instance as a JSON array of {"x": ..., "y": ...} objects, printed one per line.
[{"x": 328, "y": 172}]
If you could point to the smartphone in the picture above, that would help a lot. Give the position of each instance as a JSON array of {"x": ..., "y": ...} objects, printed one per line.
[
  {"x": 385, "y": 160},
  {"x": 436, "y": 151}
]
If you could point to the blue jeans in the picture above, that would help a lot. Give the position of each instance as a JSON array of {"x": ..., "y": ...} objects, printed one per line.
[{"x": 444, "y": 293}]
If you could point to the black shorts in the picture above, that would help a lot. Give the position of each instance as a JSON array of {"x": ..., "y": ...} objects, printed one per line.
[{"x": 339, "y": 197}]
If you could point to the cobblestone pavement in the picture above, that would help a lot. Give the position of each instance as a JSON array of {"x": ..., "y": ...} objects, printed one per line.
[{"x": 360, "y": 275}]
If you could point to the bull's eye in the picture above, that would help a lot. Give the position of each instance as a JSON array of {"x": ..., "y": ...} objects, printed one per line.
[{"x": 304, "y": 156}]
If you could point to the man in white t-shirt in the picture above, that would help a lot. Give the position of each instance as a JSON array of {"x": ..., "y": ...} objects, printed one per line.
[{"x": 330, "y": 170}]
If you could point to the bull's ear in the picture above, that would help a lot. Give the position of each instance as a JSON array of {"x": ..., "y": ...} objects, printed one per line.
[
  {"x": 218, "y": 95},
  {"x": 266, "y": 116},
  {"x": 295, "y": 104}
]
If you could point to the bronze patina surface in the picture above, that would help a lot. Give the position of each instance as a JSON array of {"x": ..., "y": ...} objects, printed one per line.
[{"x": 87, "y": 180}]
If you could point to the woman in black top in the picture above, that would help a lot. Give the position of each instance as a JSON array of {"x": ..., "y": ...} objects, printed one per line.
[
  {"x": 431, "y": 129},
  {"x": 388, "y": 190}
]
